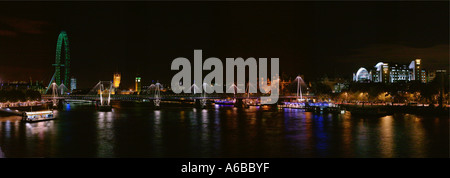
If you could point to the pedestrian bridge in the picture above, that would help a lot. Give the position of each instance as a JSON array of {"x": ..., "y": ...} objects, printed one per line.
[{"x": 82, "y": 98}]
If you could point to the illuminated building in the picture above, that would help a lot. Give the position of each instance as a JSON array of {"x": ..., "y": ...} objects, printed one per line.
[
  {"x": 138, "y": 84},
  {"x": 116, "y": 80},
  {"x": 73, "y": 84},
  {"x": 399, "y": 73},
  {"x": 377, "y": 73},
  {"x": 380, "y": 73},
  {"x": 392, "y": 73},
  {"x": 386, "y": 73},
  {"x": 423, "y": 76},
  {"x": 23, "y": 85},
  {"x": 416, "y": 70},
  {"x": 362, "y": 75}
]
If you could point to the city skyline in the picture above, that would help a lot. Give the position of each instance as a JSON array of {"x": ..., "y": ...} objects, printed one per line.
[
  {"x": 320, "y": 38},
  {"x": 234, "y": 81}
]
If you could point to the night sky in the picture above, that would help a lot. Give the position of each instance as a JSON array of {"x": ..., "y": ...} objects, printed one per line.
[{"x": 310, "y": 38}]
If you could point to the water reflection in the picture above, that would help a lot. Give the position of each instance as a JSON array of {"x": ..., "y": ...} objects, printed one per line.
[
  {"x": 347, "y": 139},
  {"x": 105, "y": 134},
  {"x": 308, "y": 133},
  {"x": 417, "y": 136},
  {"x": 2, "y": 155},
  {"x": 135, "y": 130},
  {"x": 321, "y": 135},
  {"x": 38, "y": 129},
  {"x": 157, "y": 138},
  {"x": 386, "y": 137},
  {"x": 157, "y": 117},
  {"x": 8, "y": 129},
  {"x": 204, "y": 136},
  {"x": 362, "y": 139}
]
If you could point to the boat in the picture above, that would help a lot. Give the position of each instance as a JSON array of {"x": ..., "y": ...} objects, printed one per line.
[
  {"x": 322, "y": 107},
  {"x": 37, "y": 116}
]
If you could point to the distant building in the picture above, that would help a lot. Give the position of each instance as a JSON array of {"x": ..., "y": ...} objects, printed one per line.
[
  {"x": 362, "y": 75},
  {"x": 336, "y": 84},
  {"x": 441, "y": 71},
  {"x": 399, "y": 73},
  {"x": 431, "y": 75},
  {"x": 377, "y": 73},
  {"x": 73, "y": 84},
  {"x": 416, "y": 70},
  {"x": 423, "y": 76},
  {"x": 116, "y": 80},
  {"x": 138, "y": 84},
  {"x": 384, "y": 72},
  {"x": 338, "y": 87},
  {"x": 22, "y": 85}
]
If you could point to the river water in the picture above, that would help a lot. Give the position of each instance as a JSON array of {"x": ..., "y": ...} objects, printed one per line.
[{"x": 134, "y": 130}]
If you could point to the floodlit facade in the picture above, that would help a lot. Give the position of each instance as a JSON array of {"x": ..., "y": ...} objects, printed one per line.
[
  {"x": 138, "y": 84},
  {"x": 362, "y": 75},
  {"x": 423, "y": 76},
  {"x": 399, "y": 73},
  {"x": 384, "y": 72},
  {"x": 416, "y": 70},
  {"x": 116, "y": 80},
  {"x": 377, "y": 74}
]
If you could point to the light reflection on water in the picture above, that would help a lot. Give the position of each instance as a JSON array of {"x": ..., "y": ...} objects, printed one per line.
[
  {"x": 134, "y": 130},
  {"x": 105, "y": 135},
  {"x": 387, "y": 143}
]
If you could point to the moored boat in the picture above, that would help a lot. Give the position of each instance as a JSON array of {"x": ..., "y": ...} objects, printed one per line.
[{"x": 37, "y": 116}]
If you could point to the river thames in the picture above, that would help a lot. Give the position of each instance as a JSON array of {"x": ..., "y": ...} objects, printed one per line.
[{"x": 135, "y": 130}]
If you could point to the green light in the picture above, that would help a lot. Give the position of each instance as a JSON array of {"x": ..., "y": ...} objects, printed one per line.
[{"x": 62, "y": 38}]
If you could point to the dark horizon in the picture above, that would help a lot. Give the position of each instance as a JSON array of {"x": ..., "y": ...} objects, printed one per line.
[{"x": 310, "y": 38}]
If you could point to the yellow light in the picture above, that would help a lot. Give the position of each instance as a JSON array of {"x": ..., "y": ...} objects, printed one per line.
[{"x": 116, "y": 82}]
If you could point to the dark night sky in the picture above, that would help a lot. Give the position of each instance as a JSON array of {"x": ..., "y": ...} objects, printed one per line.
[{"x": 310, "y": 38}]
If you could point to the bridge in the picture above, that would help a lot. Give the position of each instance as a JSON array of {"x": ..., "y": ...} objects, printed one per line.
[
  {"x": 186, "y": 100},
  {"x": 82, "y": 98},
  {"x": 102, "y": 93}
]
